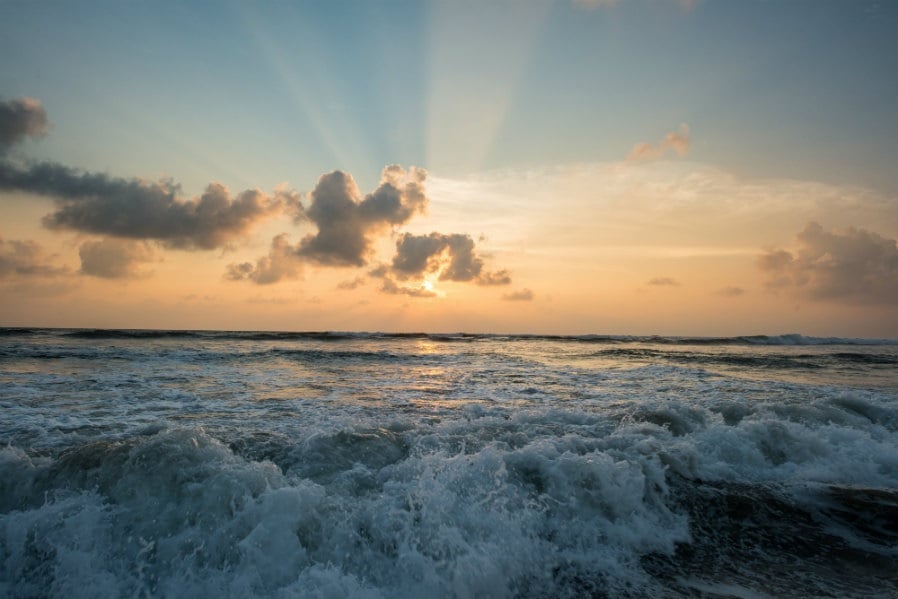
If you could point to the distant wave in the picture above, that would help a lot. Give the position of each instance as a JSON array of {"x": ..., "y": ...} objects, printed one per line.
[{"x": 779, "y": 340}]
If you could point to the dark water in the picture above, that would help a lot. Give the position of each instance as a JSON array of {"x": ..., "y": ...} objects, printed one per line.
[{"x": 214, "y": 464}]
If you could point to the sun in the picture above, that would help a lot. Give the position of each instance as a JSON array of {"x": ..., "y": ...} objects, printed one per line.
[{"x": 427, "y": 285}]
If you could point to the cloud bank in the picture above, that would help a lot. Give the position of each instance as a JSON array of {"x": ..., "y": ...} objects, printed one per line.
[
  {"x": 130, "y": 208},
  {"x": 347, "y": 225},
  {"x": 130, "y": 212},
  {"x": 853, "y": 266},
  {"x": 137, "y": 209}
]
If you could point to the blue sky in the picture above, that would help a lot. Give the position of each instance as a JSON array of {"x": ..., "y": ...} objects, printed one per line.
[{"x": 261, "y": 93}]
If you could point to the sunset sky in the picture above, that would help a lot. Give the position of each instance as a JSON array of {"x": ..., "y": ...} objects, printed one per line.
[{"x": 677, "y": 167}]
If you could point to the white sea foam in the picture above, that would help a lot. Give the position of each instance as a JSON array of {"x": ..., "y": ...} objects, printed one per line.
[{"x": 178, "y": 514}]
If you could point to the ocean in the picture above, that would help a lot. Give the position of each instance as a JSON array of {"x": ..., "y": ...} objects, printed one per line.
[{"x": 231, "y": 464}]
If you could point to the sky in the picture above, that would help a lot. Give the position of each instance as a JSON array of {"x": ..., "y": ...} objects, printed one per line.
[{"x": 671, "y": 167}]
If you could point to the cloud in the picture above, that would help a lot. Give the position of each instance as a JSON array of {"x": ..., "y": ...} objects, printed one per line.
[
  {"x": 353, "y": 284},
  {"x": 524, "y": 295},
  {"x": 21, "y": 118},
  {"x": 854, "y": 266},
  {"x": 451, "y": 257},
  {"x": 731, "y": 291},
  {"x": 664, "y": 282},
  {"x": 282, "y": 262},
  {"x": 677, "y": 142},
  {"x": 138, "y": 209},
  {"x": 116, "y": 258},
  {"x": 346, "y": 221},
  {"x": 26, "y": 259},
  {"x": 499, "y": 277},
  {"x": 390, "y": 286},
  {"x": 132, "y": 208}
]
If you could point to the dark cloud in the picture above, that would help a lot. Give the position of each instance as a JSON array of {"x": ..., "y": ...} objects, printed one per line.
[
  {"x": 346, "y": 221},
  {"x": 452, "y": 257},
  {"x": 524, "y": 295},
  {"x": 282, "y": 262},
  {"x": 664, "y": 282},
  {"x": 137, "y": 209},
  {"x": 116, "y": 258},
  {"x": 26, "y": 259},
  {"x": 131, "y": 208},
  {"x": 21, "y": 118},
  {"x": 855, "y": 266}
]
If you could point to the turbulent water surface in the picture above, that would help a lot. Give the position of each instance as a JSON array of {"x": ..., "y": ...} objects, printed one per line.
[{"x": 202, "y": 464}]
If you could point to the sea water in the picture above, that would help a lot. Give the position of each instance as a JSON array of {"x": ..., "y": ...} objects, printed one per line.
[{"x": 213, "y": 464}]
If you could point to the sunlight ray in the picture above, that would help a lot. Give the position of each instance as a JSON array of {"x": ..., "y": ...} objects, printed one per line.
[{"x": 474, "y": 74}]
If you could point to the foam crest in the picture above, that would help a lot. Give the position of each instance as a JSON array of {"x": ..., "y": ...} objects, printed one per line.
[{"x": 178, "y": 514}]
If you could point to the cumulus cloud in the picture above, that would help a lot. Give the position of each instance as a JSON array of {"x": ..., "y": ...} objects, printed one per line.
[
  {"x": 26, "y": 258},
  {"x": 116, "y": 258},
  {"x": 131, "y": 208},
  {"x": 282, "y": 262},
  {"x": 855, "y": 265},
  {"x": 676, "y": 142},
  {"x": 138, "y": 209},
  {"x": 452, "y": 257},
  {"x": 664, "y": 282},
  {"x": 21, "y": 118},
  {"x": 524, "y": 295},
  {"x": 346, "y": 221}
]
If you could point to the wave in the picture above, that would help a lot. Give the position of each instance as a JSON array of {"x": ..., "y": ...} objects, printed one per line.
[
  {"x": 749, "y": 340},
  {"x": 180, "y": 514},
  {"x": 529, "y": 504}
]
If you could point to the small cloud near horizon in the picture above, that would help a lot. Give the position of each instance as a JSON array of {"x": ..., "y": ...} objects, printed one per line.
[
  {"x": 352, "y": 284},
  {"x": 116, "y": 258},
  {"x": 851, "y": 266},
  {"x": 27, "y": 258},
  {"x": 282, "y": 262},
  {"x": 664, "y": 282},
  {"x": 731, "y": 291},
  {"x": 524, "y": 295}
]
